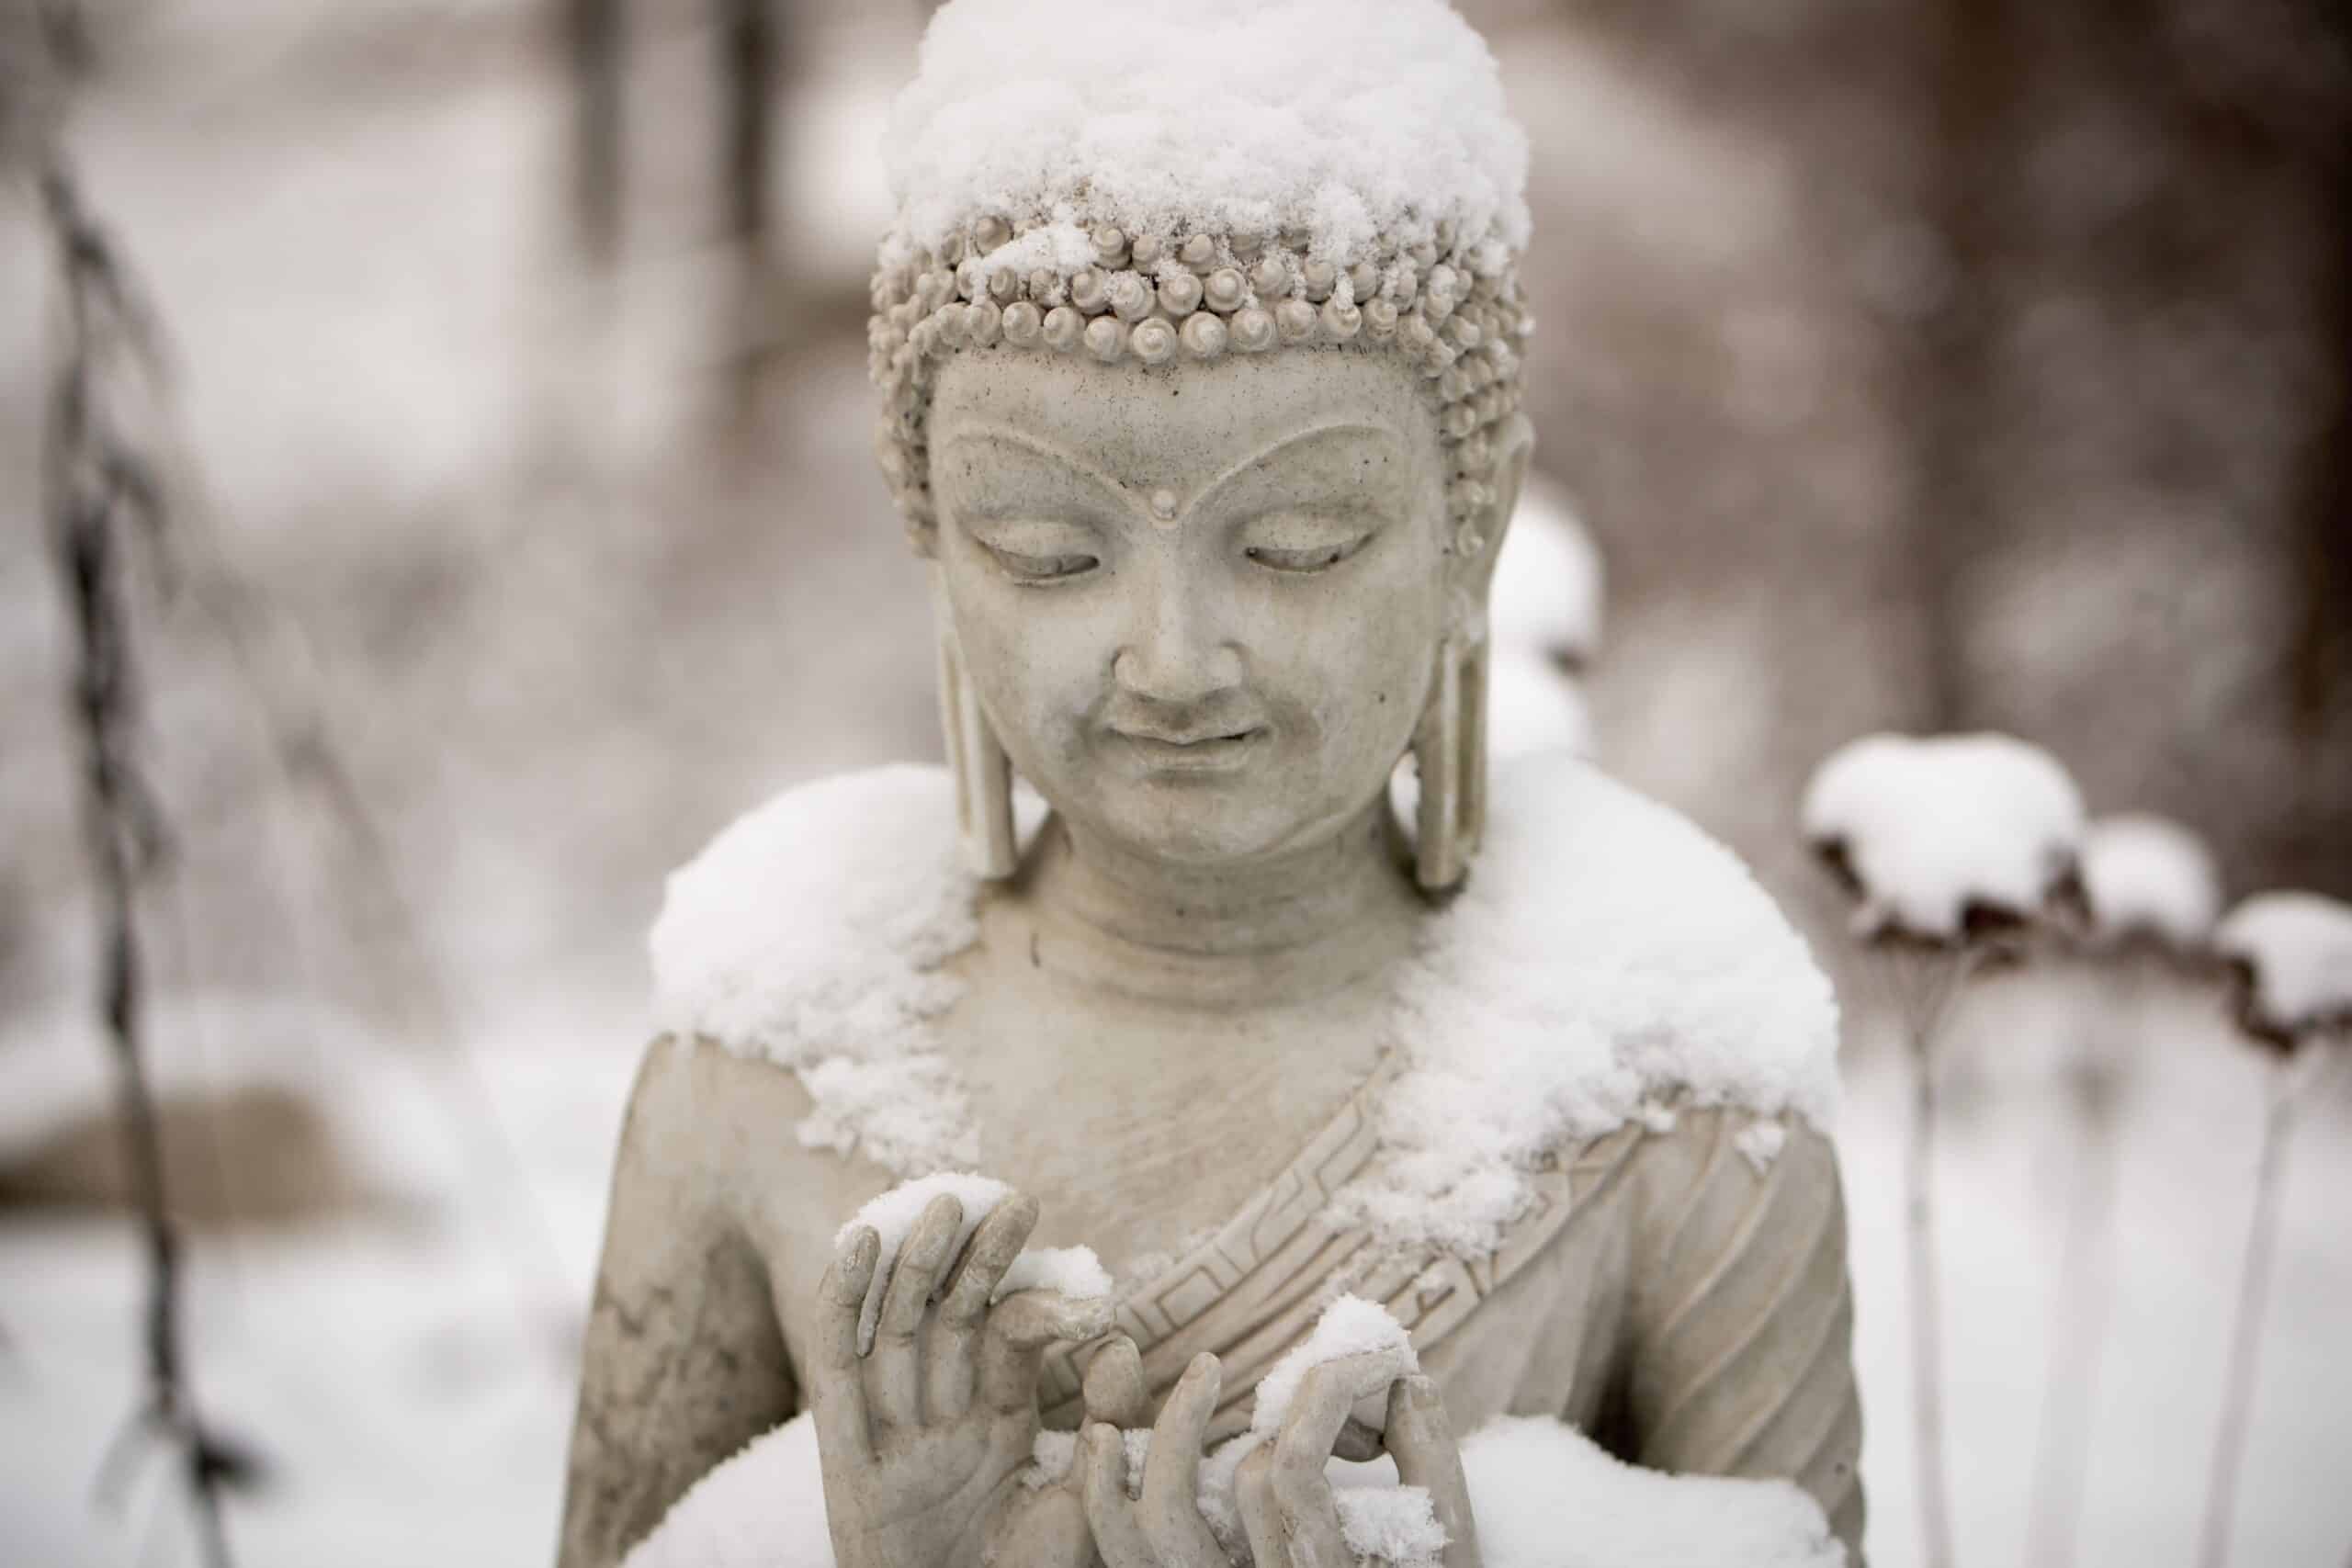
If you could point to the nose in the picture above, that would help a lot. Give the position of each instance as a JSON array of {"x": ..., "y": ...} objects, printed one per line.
[{"x": 1175, "y": 653}]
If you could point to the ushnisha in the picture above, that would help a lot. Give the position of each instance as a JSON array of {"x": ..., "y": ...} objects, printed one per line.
[{"x": 1450, "y": 304}]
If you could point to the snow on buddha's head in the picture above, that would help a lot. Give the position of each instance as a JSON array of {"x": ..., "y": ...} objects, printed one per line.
[
  {"x": 1158, "y": 188},
  {"x": 1198, "y": 335}
]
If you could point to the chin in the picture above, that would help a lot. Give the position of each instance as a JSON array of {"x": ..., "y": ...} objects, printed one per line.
[{"x": 1187, "y": 825}]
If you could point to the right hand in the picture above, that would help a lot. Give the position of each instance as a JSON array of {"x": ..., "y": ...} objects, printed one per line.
[{"x": 921, "y": 1438}]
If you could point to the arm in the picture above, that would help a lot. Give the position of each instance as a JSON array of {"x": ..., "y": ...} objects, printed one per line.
[
  {"x": 1741, "y": 1318},
  {"x": 684, "y": 1362}
]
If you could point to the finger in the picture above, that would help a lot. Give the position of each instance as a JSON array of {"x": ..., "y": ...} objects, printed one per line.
[
  {"x": 1420, "y": 1438},
  {"x": 1303, "y": 1448},
  {"x": 837, "y": 1394},
  {"x": 1172, "y": 1474},
  {"x": 949, "y": 1369},
  {"x": 1019, "y": 1329},
  {"x": 893, "y": 1382},
  {"x": 1253, "y": 1489},
  {"x": 1117, "y": 1536},
  {"x": 1114, "y": 1387}
]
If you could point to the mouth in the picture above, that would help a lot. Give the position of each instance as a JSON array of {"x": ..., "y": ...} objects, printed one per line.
[{"x": 1201, "y": 753}]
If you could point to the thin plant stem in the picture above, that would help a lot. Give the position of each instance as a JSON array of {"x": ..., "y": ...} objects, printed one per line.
[
  {"x": 2071, "y": 1379},
  {"x": 2245, "y": 1333}
]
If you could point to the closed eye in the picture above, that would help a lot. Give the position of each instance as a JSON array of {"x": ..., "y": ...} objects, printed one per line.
[
  {"x": 1041, "y": 568},
  {"x": 1303, "y": 544},
  {"x": 1037, "y": 551}
]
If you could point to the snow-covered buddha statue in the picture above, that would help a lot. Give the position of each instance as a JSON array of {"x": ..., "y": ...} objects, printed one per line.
[{"x": 1199, "y": 335}]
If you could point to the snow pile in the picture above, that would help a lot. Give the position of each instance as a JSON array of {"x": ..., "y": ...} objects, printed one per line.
[
  {"x": 1605, "y": 954},
  {"x": 763, "y": 1508},
  {"x": 1546, "y": 600},
  {"x": 1934, "y": 827},
  {"x": 1547, "y": 1496},
  {"x": 2299, "y": 946},
  {"x": 1392, "y": 1525},
  {"x": 1351, "y": 1326},
  {"x": 813, "y": 932},
  {"x": 1351, "y": 119},
  {"x": 2149, "y": 876},
  {"x": 1075, "y": 1271}
]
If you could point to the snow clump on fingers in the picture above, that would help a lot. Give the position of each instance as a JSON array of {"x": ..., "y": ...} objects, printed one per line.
[
  {"x": 1348, "y": 119},
  {"x": 1351, "y": 1326},
  {"x": 2149, "y": 876},
  {"x": 2298, "y": 947},
  {"x": 1934, "y": 830},
  {"x": 1074, "y": 1271}
]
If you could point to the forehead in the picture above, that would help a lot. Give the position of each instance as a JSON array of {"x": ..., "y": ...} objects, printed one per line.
[{"x": 1180, "y": 424}]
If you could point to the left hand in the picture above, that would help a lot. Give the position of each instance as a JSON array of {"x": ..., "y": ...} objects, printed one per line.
[{"x": 1286, "y": 1504}]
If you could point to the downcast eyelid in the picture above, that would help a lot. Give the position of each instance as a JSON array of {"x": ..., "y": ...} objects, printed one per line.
[{"x": 1136, "y": 498}]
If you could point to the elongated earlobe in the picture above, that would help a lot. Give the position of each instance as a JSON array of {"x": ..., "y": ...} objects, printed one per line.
[
  {"x": 976, "y": 759},
  {"x": 1450, "y": 755}
]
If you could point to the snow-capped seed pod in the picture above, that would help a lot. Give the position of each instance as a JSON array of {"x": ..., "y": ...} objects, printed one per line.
[
  {"x": 1253, "y": 330},
  {"x": 1340, "y": 323},
  {"x": 1319, "y": 277},
  {"x": 1145, "y": 252},
  {"x": 1380, "y": 319},
  {"x": 1063, "y": 325},
  {"x": 984, "y": 322},
  {"x": 1090, "y": 289},
  {"x": 1180, "y": 294},
  {"x": 1462, "y": 335},
  {"x": 1204, "y": 334},
  {"x": 1130, "y": 296},
  {"x": 1199, "y": 252},
  {"x": 1269, "y": 277},
  {"x": 1363, "y": 281},
  {"x": 1414, "y": 332},
  {"x": 1042, "y": 284},
  {"x": 1004, "y": 286},
  {"x": 1109, "y": 246},
  {"x": 1225, "y": 290},
  {"x": 1154, "y": 341},
  {"x": 1404, "y": 284},
  {"x": 1107, "y": 339},
  {"x": 1296, "y": 319},
  {"x": 1246, "y": 244},
  {"x": 1023, "y": 323},
  {"x": 991, "y": 232}
]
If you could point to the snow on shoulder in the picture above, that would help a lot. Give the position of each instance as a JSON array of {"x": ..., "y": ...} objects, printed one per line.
[
  {"x": 2299, "y": 946},
  {"x": 1347, "y": 118},
  {"x": 1605, "y": 954},
  {"x": 1932, "y": 828},
  {"x": 2149, "y": 876},
  {"x": 813, "y": 932}
]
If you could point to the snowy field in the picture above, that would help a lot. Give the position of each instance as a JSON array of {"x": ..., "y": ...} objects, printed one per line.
[{"x": 438, "y": 450}]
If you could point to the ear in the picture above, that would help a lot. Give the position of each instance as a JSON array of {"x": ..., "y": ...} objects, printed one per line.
[{"x": 1478, "y": 537}]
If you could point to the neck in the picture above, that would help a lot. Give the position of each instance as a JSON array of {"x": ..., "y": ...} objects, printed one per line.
[{"x": 1293, "y": 925}]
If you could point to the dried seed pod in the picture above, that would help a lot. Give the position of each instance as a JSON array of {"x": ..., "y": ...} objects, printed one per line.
[
  {"x": 1146, "y": 251},
  {"x": 1341, "y": 323},
  {"x": 1130, "y": 296},
  {"x": 1023, "y": 323},
  {"x": 1253, "y": 330},
  {"x": 991, "y": 232},
  {"x": 1295, "y": 318},
  {"x": 1205, "y": 335},
  {"x": 1199, "y": 252},
  {"x": 1180, "y": 294},
  {"x": 1107, "y": 339},
  {"x": 1154, "y": 341},
  {"x": 1090, "y": 289},
  {"x": 1225, "y": 289},
  {"x": 983, "y": 323},
  {"x": 1269, "y": 277},
  {"x": 1320, "y": 278},
  {"x": 1380, "y": 319},
  {"x": 1063, "y": 327}
]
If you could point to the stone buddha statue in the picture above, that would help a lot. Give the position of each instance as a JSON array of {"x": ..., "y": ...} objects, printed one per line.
[{"x": 1199, "y": 344}]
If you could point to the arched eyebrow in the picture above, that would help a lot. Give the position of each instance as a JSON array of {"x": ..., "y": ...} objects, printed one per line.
[{"x": 1013, "y": 437}]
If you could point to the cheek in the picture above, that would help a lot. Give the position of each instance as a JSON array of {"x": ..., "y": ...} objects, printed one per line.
[
  {"x": 1033, "y": 662},
  {"x": 1360, "y": 663}
]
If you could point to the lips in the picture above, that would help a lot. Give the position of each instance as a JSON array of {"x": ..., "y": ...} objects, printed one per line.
[{"x": 1199, "y": 751}]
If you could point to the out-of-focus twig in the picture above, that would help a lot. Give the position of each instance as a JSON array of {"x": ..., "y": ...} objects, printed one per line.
[
  {"x": 594, "y": 31},
  {"x": 102, "y": 500}
]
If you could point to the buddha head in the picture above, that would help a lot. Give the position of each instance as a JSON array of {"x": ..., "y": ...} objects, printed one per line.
[{"x": 1198, "y": 335}]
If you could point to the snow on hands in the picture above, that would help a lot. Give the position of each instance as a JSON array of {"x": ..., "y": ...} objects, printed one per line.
[
  {"x": 1936, "y": 830},
  {"x": 1348, "y": 1326},
  {"x": 1343, "y": 119},
  {"x": 2297, "y": 948},
  {"x": 1074, "y": 1271},
  {"x": 2149, "y": 876}
]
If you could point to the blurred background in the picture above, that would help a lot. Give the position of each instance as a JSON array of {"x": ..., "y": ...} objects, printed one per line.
[{"x": 1950, "y": 363}]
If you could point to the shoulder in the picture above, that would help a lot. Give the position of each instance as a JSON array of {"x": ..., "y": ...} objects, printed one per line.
[
  {"x": 817, "y": 918},
  {"x": 1610, "y": 914}
]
